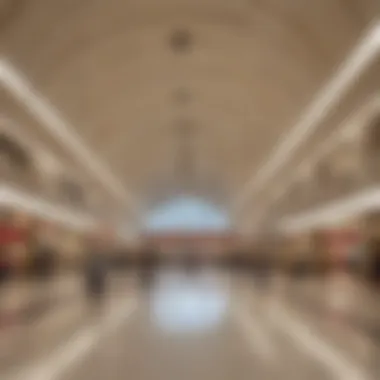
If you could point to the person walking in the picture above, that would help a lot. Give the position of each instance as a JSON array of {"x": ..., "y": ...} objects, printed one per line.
[{"x": 96, "y": 268}]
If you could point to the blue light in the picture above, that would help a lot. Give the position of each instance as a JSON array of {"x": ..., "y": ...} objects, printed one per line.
[
  {"x": 181, "y": 305},
  {"x": 187, "y": 214}
]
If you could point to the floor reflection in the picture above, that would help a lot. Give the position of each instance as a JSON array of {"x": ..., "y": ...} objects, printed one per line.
[{"x": 183, "y": 303}]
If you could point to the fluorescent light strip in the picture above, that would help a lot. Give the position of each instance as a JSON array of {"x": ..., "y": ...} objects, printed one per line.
[
  {"x": 349, "y": 128},
  {"x": 14, "y": 198},
  {"x": 61, "y": 131},
  {"x": 334, "y": 213},
  {"x": 356, "y": 63},
  {"x": 370, "y": 110},
  {"x": 353, "y": 123},
  {"x": 9, "y": 127}
]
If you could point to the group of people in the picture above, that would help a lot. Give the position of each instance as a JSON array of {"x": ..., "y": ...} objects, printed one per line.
[
  {"x": 96, "y": 267},
  {"x": 97, "y": 264}
]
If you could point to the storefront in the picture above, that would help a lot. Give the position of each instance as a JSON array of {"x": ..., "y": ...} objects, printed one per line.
[{"x": 207, "y": 245}]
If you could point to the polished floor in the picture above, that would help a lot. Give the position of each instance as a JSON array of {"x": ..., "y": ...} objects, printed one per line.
[{"x": 206, "y": 325}]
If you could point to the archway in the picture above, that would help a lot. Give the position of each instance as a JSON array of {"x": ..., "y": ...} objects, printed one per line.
[
  {"x": 187, "y": 214},
  {"x": 189, "y": 223}
]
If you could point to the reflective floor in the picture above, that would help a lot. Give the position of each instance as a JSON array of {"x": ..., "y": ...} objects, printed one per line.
[{"x": 206, "y": 325}]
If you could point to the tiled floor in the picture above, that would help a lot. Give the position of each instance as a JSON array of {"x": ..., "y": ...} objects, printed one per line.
[{"x": 209, "y": 325}]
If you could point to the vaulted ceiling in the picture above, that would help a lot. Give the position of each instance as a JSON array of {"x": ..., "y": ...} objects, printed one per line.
[{"x": 127, "y": 76}]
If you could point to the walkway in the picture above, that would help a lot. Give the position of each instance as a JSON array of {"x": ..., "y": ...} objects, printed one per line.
[{"x": 211, "y": 325}]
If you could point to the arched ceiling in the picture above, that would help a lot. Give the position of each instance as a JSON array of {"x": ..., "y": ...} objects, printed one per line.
[{"x": 248, "y": 69}]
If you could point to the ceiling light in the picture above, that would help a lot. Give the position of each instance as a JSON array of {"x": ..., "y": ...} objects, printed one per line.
[
  {"x": 357, "y": 62},
  {"x": 65, "y": 134},
  {"x": 181, "y": 41}
]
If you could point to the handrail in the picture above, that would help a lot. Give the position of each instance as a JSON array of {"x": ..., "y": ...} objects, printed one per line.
[
  {"x": 14, "y": 198},
  {"x": 333, "y": 213}
]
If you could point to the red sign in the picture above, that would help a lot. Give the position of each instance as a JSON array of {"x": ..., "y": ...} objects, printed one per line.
[
  {"x": 10, "y": 235},
  {"x": 341, "y": 242},
  {"x": 206, "y": 242}
]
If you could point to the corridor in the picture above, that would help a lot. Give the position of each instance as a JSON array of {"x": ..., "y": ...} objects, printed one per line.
[
  {"x": 205, "y": 325},
  {"x": 189, "y": 190}
]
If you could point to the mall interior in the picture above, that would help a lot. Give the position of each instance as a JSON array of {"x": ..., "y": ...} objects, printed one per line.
[{"x": 189, "y": 189}]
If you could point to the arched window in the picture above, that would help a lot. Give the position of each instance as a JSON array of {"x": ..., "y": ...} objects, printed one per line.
[{"x": 187, "y": 214}]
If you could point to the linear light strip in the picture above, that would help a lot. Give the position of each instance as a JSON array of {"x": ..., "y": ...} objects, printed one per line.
[
  {"x": 26, "y": 140},
  {"x": 15, "y": 198},
  {"x": 360, "y": 59},
  {"x": 334, "y": 213},
  {"x": 19, "y": 87},
  {"x": 350, "y": 126}
]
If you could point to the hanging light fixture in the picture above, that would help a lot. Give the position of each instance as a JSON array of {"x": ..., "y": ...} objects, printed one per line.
[{"x": 186, "y": 155}]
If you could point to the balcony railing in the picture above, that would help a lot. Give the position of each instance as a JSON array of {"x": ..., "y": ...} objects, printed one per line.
[{"x": 33, "y": 184}]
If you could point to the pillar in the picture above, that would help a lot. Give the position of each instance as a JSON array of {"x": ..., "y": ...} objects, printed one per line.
[
  {"x": 320, "y": 251},
  {"x": 298, "y": 253},
  {"x": 372, "y": 244}
]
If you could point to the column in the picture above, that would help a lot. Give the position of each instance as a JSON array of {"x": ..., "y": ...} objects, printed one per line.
[{"x": 372, "y": 251}]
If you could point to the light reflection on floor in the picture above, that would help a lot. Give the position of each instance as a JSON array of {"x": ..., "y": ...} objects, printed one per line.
[{"x": 184, "y": 303}]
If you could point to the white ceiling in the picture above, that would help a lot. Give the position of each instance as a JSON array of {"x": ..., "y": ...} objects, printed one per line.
[{"x": 251, "y": 69}]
